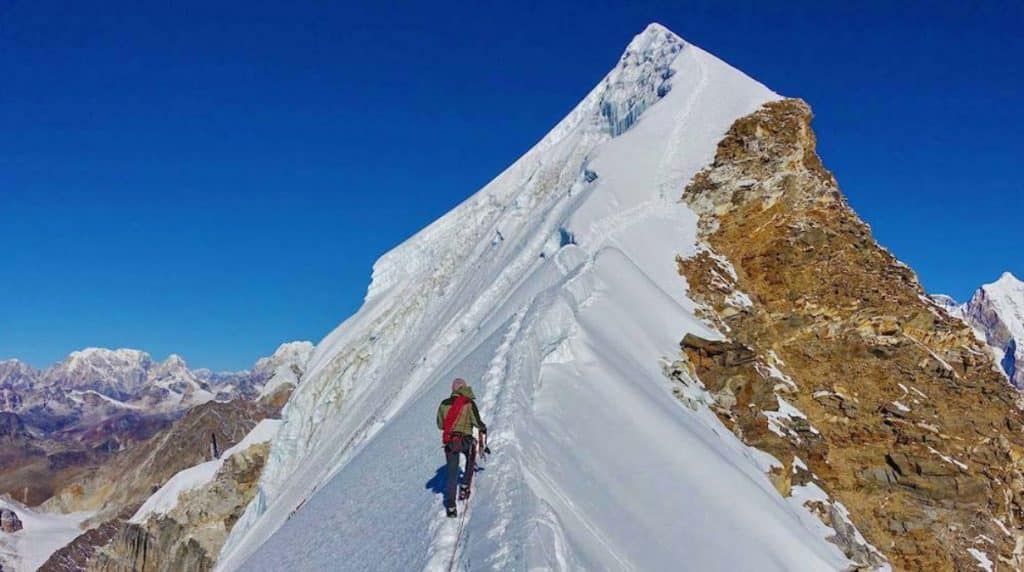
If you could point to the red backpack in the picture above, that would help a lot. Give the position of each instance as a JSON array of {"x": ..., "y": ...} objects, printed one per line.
[{"x": 452, "y": 416}]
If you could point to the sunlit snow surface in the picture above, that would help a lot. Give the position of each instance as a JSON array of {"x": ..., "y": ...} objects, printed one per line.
[
  {"x": 43, "y": 534},
  {"x": 556, "y": 294}
]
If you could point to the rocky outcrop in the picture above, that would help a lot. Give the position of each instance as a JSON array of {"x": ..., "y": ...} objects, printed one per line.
[
  {"x": 11, "y": 425},
  {"x": 77, "y": 555},
  {"x": 126, "y": 481},
  {"x": 118, "y": 489},
  {"x": 156, "y": 547},
  {"x": 190, "y": 536},
  {"x": 115, "y": 481},
  {"x": 839, "y": 366},
  {"x": 9, "y": 521}
]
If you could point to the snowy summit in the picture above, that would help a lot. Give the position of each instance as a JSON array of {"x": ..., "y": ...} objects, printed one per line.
[{"x": 563, "y": 324}]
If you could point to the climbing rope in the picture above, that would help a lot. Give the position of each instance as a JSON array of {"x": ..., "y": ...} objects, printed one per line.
[
  {"x": 458, "y": 536},
  {"x": 462, "y": 521}
]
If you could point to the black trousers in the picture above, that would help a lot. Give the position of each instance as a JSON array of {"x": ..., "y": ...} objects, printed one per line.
[{"x": 453, "y": 451}]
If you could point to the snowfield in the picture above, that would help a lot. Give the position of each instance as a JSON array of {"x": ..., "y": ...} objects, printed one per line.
[
  {"x": 554, "y": 291},
  {"x": 43, "y": 534}
]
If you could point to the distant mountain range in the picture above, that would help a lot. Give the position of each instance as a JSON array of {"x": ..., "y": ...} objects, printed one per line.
[
  {"x": 96, "y": 384},
  {"x": 102, "y": 416}
]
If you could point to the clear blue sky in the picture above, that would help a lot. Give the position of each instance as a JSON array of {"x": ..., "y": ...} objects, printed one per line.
[{"x": 213, "y": 178}]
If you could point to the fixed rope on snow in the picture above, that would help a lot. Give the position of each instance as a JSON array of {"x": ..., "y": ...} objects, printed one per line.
[{"x": 465, "y": 512}]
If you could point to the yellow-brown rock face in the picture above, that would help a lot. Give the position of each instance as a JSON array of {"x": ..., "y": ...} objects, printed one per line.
[{"x": 907, "y": 423}]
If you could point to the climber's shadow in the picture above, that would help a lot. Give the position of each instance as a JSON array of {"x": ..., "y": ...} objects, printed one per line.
[
  {"x": 440, "y": 478},
  {"x": 437, "y": 482}
]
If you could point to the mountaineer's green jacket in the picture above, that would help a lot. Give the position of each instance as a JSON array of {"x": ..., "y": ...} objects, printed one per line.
[{"x": 469, "y": 417}]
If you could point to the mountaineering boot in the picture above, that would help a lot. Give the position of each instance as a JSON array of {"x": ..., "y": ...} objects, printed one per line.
[
  {"x": 464, "y": 492},
  {"x": 451, "y": 512}
]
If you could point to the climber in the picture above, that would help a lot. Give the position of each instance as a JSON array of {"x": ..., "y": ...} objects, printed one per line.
[{"x": 456, "y": 417}]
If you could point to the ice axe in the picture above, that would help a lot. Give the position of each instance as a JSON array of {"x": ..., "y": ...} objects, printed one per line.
[{"x": 482, "y": 446}]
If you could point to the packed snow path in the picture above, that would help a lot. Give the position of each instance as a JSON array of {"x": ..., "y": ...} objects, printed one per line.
[
  {"x": 450, "y": 535},
  {"x": 554, "y": 291}
]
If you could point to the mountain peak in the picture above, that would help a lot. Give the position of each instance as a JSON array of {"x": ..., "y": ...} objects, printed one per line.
[
  {"x": 453, "y": 301},
  {"x": 655, "y": 27},
  {"x": 121, "y": 357},
  {"x": 91, "y": 352},
  {"x": 16, "y": 372},
  {"x": 294, "y": 347},
  {"x": 653, "y": 33},
  {"x": 641, "y": 78},
  {"x": 1009, "y": 278},
  {"x": 174, "y": 362},
  {"x": 1008, "y": 286}
]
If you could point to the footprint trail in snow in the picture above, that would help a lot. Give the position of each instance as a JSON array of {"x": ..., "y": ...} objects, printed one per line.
[{"x": 450, "y": 534}]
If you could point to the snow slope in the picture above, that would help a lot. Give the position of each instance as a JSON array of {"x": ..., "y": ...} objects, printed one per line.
[
  {"x": 554, "y": 290},
  {"x": 43, "y": 534}
]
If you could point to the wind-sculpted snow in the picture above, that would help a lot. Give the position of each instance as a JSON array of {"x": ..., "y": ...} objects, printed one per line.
[{"x": 562, "y": 325}]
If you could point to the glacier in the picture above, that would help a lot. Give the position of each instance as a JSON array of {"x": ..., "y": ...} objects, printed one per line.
[{"x": 554, "y": 290}]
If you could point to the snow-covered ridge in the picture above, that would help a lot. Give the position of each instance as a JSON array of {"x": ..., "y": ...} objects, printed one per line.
[
  {"x": 554, "y": 290},
  {"x": 641, "y": 78}
]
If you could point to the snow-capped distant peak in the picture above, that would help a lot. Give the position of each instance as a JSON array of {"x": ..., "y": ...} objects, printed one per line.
[
  {"x": 104, "y": 357},
  {"x": 1007, "y": 294},
  {"x": 174, "y": 360},
  {"x": 15, "y": 373},
  {"x": 996, "y": 312},
  {"x": 15, "y": 364},
  {"x": 285, "y": 366},
  {"x": 96, "y": 353},
  {"x": 944, "y": 300},
  {"x": 1006, "y": 283},
  {"x": 94, "y": 382},
  {"x": 292, "y": 348}
]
